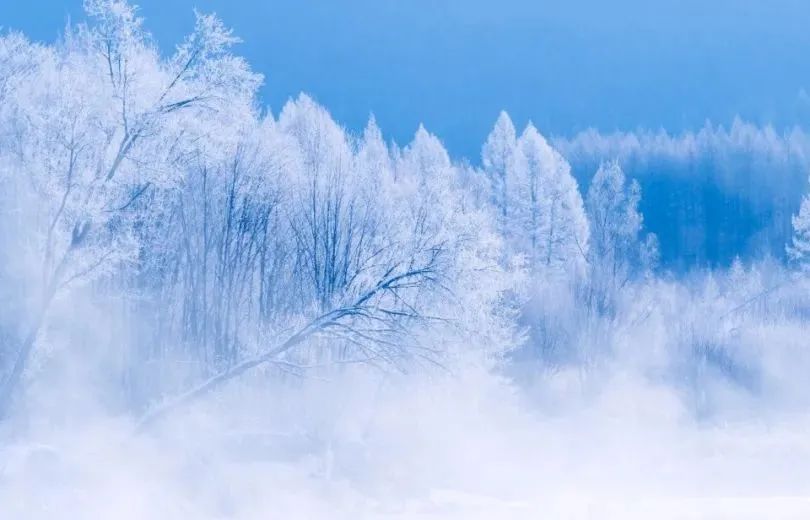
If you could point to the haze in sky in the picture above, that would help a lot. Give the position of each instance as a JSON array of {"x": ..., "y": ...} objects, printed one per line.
[{"x": 454, "y": 64}]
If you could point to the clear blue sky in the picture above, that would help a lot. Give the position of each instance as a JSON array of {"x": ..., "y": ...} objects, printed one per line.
[{"x": 453, "y": 64}]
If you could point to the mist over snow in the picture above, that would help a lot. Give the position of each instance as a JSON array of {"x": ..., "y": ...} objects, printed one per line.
[{"x": 213, "y": 311}]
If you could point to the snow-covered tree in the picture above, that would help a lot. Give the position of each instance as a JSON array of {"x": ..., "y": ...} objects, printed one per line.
[
  {"x": 548, "y": 209},
  {"x": 17, "y": 57},
  {"x": 444, "y": 208},
  {"x": 98, "y": 120},
  {"x": 616, "y": 253},
  {"x": 373, "y": 162},
  {"x": 799, "y": 248},
  {"x": 501, "y": 160},
  {"x": 743, "y": 284},
  {"x": 332, "y": 223}
]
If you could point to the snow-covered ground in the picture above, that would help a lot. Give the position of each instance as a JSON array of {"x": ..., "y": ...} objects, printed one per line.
[{"x": 436, "y": 450}]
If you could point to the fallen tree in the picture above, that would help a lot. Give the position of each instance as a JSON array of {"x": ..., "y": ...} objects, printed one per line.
[{"x": 374, "y": 323}]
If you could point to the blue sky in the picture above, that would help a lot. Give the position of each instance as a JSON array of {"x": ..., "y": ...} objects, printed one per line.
[{"x": 452, "y": 64}]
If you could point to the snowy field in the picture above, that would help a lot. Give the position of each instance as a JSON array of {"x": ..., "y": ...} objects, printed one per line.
[{"x": 436, "y": 451}]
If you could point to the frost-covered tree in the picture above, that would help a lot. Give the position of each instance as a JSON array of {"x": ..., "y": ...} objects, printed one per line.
[
  {"x": 443, "y": 207},
  {"x": 501, "y": 161},
  {"x": 100, "y": 119},
  {"x": 548, "y": 209},
  {"x": 743, "y": 284},
  {"x": 332, "y": 220},
  {"x": 616, "y": 253},
  {"x": 799, "y": 248},
  {"x": 16, "y": 58},
  {"x": 373, "y": 163},
  {"x": 420, "y": 283},
  {"x": 541, "y": 213},
  {"x": 223, "y": 239}
]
